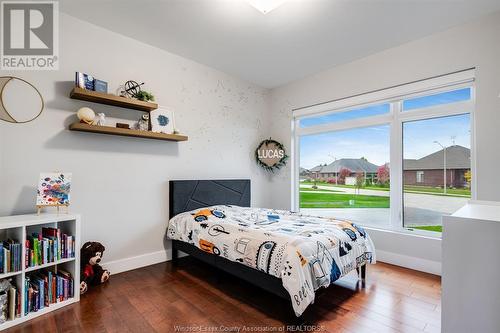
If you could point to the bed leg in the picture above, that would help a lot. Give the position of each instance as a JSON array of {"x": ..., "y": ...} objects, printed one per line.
[
  {"x": 361, "y": 270},
  {"x": 300, "y": 321},
  {"x": 296, "y": 321},
  {"x": 175, "y": 255}
]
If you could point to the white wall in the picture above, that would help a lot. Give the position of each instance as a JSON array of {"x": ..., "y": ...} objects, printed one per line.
[
  {"x": 120, "y": 185},
  {"x": 473, "y": 45}
]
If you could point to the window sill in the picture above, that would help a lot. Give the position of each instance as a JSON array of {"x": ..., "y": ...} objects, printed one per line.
[{"x": 414, "y": 233}]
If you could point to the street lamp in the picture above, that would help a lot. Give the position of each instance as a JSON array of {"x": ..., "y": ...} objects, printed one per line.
[
  {"x": 336, "y": 174},
  {"x": 444, "y": 164}
]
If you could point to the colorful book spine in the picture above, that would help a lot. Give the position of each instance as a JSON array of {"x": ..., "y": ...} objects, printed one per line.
[
  {"x": 49, "y": 246},
  {"x": 10, "y": 256},
  {"x": 45, "y": 287}
]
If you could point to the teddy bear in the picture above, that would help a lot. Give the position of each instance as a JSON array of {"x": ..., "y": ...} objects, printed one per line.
[{"x": 91, "y": 273}]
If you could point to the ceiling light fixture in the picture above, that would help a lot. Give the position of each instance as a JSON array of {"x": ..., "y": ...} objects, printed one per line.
[{"x": 265, "y": 6}]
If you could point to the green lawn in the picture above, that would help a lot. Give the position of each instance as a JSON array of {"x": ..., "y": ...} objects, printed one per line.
[
  {"x": 327, "y": 200},
  {"x": 436, "y": 228},
  {"x": 376, "y": 188},
  {"x": 456, "y": 191},
  {"x": 453, "y": 192},
  {"x": 372, "y": 187},
  {"x": 310, "y": 189}
]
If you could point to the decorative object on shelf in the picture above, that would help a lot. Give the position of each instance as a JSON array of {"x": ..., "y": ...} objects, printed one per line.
[
  {"x": 126, "y": 132},
  {"x": 176, "y": 131},
  {"x": 53, "y": 190},
  {"x": 86, "y": 115},
  {"x": 145, "y": 96},
  {"x": 122, "y": 125},
  {"x": 110, "y": 99},
  {"x": 143, "y": 123},
  {"x": 8, "y": 299},
  {"x": 131, "y": 88},
  {"x": 84, "y": 81},
  {"x": 162, "y": 120},
  {"x": 100, "y": 120},
  {"x": 100, "y": 86},
  {"x": 91, "y": 273},
  {"x": 31, "y": 104},
  {"x": 271, "y": 155}
]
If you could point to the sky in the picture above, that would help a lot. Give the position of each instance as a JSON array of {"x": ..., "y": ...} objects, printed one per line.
[{"x": 373, "y": 142}]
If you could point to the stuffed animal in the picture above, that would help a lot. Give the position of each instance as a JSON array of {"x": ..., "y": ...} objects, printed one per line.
[{"x": 91, "y": 273}]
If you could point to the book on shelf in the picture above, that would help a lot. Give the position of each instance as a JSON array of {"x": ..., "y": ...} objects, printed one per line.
[
  {"x": 49, "y": 246},
  {"x": 10, "y": 256},
  {"x": 10, "y": 301},
  {"x": 47, "y": 287}
]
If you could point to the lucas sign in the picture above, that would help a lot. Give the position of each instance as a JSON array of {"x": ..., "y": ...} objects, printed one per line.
[{"x": 271, "y": 155}]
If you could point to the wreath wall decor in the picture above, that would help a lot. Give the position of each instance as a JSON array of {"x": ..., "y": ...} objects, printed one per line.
[
  {"x": 271, "y": 155},
  {"x": 9, "y": 117}
]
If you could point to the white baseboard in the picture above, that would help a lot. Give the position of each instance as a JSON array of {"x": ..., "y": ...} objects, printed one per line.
[
  {"x": 127, "y": 264},
  {"x": 418, "y": 264}
]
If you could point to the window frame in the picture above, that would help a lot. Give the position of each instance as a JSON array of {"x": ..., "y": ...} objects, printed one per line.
[{"x": 395, "y": 119}]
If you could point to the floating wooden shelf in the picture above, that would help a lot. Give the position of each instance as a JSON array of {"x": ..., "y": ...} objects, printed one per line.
[
  {"x": 126, "y": 132},
  {"x": 109, "y": 99}
]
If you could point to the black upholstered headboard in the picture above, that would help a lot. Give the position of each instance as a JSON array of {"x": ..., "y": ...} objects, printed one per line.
[{"x": 186, "y": 195}]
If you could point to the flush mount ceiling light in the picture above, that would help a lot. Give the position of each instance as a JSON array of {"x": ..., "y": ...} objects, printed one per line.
[{"x": 265, "y": 6}]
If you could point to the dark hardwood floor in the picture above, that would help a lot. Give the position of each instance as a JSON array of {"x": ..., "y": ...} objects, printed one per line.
[{"x": 158, "y": 298}]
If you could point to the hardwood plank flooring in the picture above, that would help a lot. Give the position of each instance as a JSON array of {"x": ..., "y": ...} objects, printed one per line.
[{"x": 159, "y": 298}]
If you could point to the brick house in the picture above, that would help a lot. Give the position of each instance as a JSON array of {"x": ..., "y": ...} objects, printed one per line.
[
  {"x": 428, "y": 170},
  {"x": 356, "y": 165}
]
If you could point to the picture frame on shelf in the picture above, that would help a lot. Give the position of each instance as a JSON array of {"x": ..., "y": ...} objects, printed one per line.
[
  {"x": 162, "y": 120},
  {"x": 53, "y": 190}
]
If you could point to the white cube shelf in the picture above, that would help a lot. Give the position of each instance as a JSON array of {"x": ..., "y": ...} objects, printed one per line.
[{"x": 18, "y": 227}]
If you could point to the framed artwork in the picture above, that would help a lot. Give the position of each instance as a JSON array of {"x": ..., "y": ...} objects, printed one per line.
[
  {"x": 162, "y": 120},
  {"x": 53, "y": 189}
]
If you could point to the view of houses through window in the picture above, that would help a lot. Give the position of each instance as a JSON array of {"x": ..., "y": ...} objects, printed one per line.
[
  {"x": 436, "y": 169},
  {"x": 346, "y": 173}
]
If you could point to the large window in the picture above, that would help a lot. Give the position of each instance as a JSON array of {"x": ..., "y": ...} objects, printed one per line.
[
  {"x": 438, "y": 148},
  {"x": 346, "y": 180},
  {"x": 399, "y": 163}
]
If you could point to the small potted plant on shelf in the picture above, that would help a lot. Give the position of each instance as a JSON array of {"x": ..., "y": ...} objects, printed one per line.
[{"x": 143, "y": 95}]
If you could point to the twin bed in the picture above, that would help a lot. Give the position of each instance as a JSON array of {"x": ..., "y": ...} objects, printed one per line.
[{"x": 288, "y": 254}]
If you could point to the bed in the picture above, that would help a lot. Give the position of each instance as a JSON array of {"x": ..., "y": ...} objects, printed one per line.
[{"x": 288, "y": 254}]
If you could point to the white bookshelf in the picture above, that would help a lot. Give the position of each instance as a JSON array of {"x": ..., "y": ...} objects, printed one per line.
[{"x": 18, "y": 227}]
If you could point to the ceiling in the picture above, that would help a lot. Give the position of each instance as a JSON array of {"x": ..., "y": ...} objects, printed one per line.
[{"x": 297, "y": 39}]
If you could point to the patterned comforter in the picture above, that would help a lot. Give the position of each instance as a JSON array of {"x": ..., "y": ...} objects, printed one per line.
[{"x": 305, "y": 252}]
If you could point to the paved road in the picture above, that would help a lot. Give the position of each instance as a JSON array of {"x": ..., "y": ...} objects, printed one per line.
[
  {"x": 350, "y": 190},
  {"x": 419, "y": 209},
  {"x": 375, "y": 217}
]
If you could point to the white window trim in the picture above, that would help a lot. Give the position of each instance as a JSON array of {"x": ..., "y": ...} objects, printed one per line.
[
  {"x": 381, "y": 96},
  {"x": 395, "y": 118}
]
